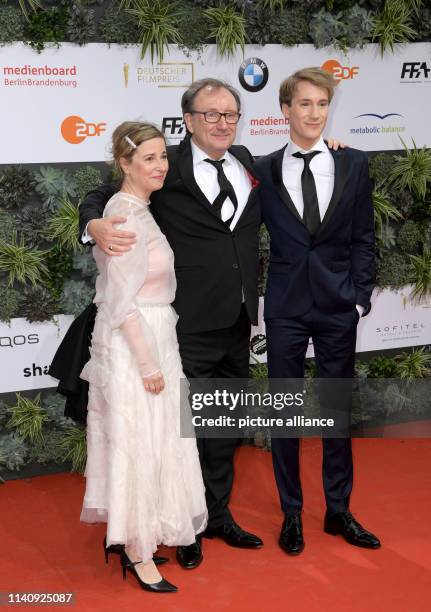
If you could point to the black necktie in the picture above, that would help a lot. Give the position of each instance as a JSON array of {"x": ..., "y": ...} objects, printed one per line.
[
  {"x": 226, "y": 189},
  {"x": 311, "y": 215}
]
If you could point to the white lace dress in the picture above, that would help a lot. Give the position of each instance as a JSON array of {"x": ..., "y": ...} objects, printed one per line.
[{"x": 142, "y": 478}]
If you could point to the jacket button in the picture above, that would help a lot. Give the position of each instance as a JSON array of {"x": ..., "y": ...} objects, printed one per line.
[{"x": 235, "y": 266}]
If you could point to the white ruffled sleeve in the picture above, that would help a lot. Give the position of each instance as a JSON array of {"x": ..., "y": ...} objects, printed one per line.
[{"x": 125, "y": 276}]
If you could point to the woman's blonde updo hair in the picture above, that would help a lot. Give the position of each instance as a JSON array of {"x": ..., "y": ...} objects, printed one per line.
[{"x": 126, "y": 135}]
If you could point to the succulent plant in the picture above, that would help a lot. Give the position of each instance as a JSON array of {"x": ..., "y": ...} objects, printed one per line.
[
  {"x": 327, "y": 29},
  {"x": 359, "y": 26},
  {"x": 54, "y": 404},
  {"x": 53, "y": 184},
  {"x": 118, "y": 26},
  {"x": 84, "y": 263},
  {"x": 9, "y": 301},
  {"x": 86, "y": 178},
  {"x": 7, "y": 226},
  {"x": 410, "y": 237},
  {"x": 193, "y": 29},
  {"x": 46, "y": 26},
  {"x": 81, "y": 26},
  {"x": 59, "y": 262},
  {"x": 386, "y": 237},
  {"x": 293, "y": 27},
  {"x": 393, "y": 271},
  {"x": 380, "y": 166},
  {"x": 16, "y": 185},
  {"x": 37, "y": 304},
  {"x": 76, "y": 296},
  {"x": 31, "y": 223},
  {"x": 49, "y": 450},
  {"x": 11, "y": 24},
  {"x": 13, "y": 451}
]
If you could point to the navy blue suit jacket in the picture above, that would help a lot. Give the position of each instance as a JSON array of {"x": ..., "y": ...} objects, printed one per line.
[{"x": 335, "y": 269}]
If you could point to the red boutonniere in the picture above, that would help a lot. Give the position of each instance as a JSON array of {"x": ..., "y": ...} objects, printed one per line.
[{"x": 254, "y": 181}]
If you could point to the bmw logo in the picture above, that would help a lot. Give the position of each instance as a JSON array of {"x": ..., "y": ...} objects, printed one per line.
[{"x": 253, "y": 74}]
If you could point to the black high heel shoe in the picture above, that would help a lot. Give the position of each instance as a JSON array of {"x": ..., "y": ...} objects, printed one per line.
[
  {"x": 163, "y": 586},
  {"x": 117, "y": 549}
]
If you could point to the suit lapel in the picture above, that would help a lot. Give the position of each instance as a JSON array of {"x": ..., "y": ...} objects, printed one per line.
[
  {"x": 185, "y": 167},
  {"x": 240, "y": 154},
  {"x": 277, "y": 177},
  {"x": 340, "y": 176}
]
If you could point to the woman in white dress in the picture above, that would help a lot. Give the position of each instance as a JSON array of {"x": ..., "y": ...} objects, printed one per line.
[{"x": 142, "y": 478}]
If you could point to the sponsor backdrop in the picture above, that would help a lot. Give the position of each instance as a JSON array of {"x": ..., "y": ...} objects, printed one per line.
[
  {"x": 27, "y": 349},
  {"x": 62, "y": 106}
]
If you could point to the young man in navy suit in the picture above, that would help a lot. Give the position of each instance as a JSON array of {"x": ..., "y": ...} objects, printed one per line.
[{"x": 317, "y": 206}]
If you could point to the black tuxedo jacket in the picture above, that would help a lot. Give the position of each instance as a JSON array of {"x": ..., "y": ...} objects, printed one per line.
[
  {"x": 334, "y": 270},
  {"x": 213, "y": 264}
]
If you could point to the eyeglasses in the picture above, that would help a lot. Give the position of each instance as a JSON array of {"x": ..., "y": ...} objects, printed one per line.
[{"x": 214, "y": 116}]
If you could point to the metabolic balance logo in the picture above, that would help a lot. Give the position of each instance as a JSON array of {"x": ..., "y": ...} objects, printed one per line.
[
  {"x": 75, "y": 129},
  {"x": 253, "y": 74},
  {"x": 163, "y": 74},
  {"x": 339, "y": 72},
  {"x": 377, "y": 124}
]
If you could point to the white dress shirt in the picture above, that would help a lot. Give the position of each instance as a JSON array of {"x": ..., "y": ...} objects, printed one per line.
[
  {"x": 206, "y": 178},
  {"x": 323, "y": 168}
]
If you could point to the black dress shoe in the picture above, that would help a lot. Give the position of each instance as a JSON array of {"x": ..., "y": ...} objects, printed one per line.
[
  {"x": 191, "y": 556},
  {"x": 233, "y": 535},
  {"x": 291, "y": 539},
  {"x": 346, "y": 525}
]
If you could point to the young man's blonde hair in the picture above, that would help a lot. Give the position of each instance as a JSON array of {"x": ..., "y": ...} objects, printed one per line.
[{"x": 315, "y": 76}]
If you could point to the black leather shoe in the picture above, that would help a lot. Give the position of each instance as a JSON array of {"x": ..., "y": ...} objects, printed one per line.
[
  {"x": 191, "y": 556},
  {"x": 346, "y": 525},
  {"x": 291, "y": 539},
  {"x": 233, "y": 535}
]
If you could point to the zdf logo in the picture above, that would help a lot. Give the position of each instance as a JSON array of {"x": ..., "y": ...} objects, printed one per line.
[
  {"x": 339, "y": 72},
  {"x": 75, "y": 130}
]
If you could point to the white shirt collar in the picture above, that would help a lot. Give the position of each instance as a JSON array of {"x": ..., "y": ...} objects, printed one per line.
[
  {"x": 200, "y": 156},
  {"x": 294, "y": 148}
]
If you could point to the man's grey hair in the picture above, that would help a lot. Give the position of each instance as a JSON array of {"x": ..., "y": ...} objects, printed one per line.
[{"x": 187, "y": 101}]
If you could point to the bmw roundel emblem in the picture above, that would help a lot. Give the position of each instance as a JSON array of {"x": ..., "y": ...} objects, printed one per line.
[{"x": 253, "y": 74}]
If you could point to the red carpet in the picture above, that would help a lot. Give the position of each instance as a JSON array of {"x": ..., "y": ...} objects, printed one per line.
[{"x": 44, "y": 547}]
